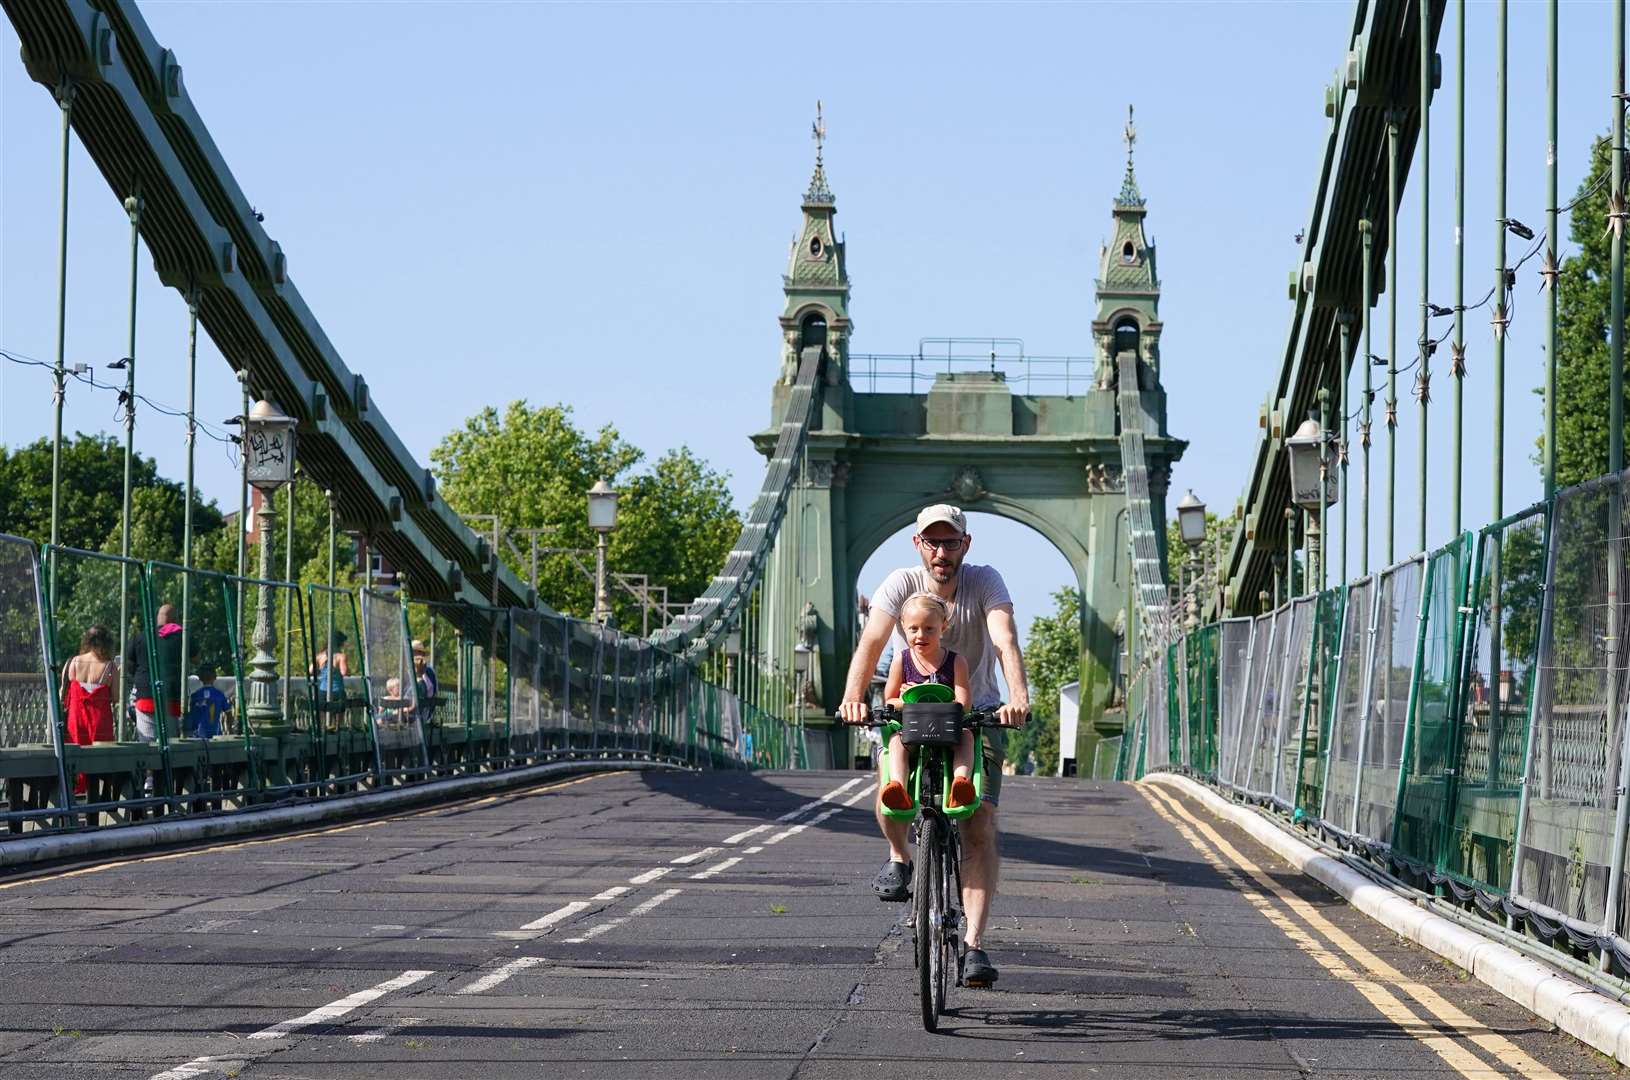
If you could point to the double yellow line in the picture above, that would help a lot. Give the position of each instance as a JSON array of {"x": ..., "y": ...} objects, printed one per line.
[{"x": 1379, "y": 982}]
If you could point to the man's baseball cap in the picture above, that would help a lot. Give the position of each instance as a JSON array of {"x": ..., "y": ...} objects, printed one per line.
[{"x": 942, "y": 512}]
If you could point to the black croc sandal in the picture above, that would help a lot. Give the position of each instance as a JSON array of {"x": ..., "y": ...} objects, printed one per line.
[
  {"x": 893, "y": 882},
  {"x": 976, "y": 969}
]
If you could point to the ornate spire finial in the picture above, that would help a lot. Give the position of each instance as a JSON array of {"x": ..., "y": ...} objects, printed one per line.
[
  {"x": 1130, "y": 195},
  {"x": 818, "y": 191}
]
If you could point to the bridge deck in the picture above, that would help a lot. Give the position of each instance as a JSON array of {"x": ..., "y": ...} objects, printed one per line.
[{"x": 398, "y": 948}]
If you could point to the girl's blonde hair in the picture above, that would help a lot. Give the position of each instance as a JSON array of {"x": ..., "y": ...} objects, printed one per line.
[{"x": 927, "y": 601}]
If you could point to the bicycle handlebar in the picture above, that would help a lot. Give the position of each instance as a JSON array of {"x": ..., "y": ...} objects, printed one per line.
[{"x": 883, "y": 714}]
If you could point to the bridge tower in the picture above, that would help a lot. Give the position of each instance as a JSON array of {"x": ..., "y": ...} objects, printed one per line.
[{"x": 874, "y": 459}]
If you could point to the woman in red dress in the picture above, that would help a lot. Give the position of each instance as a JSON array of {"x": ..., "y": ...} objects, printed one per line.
[{"x": 87, "y": 692}]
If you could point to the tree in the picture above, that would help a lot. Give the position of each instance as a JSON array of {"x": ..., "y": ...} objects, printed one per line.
[
  {"x": 533, "y": 468},
  {"x": 1052, "y": 659},
  {"x": 1583, "y": 313},
  {"x": 92, "y": 497}
]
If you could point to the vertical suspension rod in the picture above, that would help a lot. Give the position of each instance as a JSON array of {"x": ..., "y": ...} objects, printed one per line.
[
  {"x": 133, "y": 207},
  {"x": 1550, "y": 250},
  {"x": 65, "y": 101},
  {"x": 1497, "y": 440},
  {"x": 1366, "y": 230},
  {"x": 1392, "y": 330},
  {"x": 1423, "y": 378},
  {"x": 1457, "y": 368}
]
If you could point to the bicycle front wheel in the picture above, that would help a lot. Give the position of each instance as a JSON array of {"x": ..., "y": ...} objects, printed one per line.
[{"x": 930, "y": 904}]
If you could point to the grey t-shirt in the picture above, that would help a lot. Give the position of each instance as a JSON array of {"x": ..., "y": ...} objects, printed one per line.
[{"x": 979, "y": 588}]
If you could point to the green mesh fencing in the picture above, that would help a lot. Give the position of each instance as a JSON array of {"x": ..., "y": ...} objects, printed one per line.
[
  {"x": 1419, "y": 827},
  {"x": 393, "y": 684},
  {"x": 527, "y": 705},
  {"x": 1386, "y": 699},
  {"x": 1566, "y": 833},
  {"x": 1347, "y": 707},
  {"x": 1106, "y": 754},
  {"x": 1177, "y": 701},
  {"x": 1157, "y": 725},
  {"x": 1200, "y": 657},
  {"x": 1507, "y": 591},
  {"x": 1316, "y": 702},
  {"x": 1293, "y": 697},
  {"x": 1233, "y": 689},
  {"x": 1260, "y": 745},
  {"x": 343, "y": 704},
  {"x": 31, "y": 721},
  {"x": 85, "y": 590}
]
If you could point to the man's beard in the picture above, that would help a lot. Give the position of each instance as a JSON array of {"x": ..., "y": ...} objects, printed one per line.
[{"x": 943, "y": 572}]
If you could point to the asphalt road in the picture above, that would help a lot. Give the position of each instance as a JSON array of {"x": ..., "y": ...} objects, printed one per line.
[{"x": 720, "y": 925}]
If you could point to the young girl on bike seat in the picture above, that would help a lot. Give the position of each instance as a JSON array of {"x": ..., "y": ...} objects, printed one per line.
[{"x": 923, "y": 618}]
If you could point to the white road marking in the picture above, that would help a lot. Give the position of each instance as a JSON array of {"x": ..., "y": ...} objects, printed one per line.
[
  {"x": 739, "y": 837},
  {"x": 717, "y": 868},
  {"x": 200, "y": 1067},
  {"x": 754, "y": 850},
  {"x": 611, "y": 893},
  {"x": 696, "y": 856},
  {"x": 794, "y": 830},
  {"x": 389, "y": 1029},
  {"x": 790, "y": 814},
  {"x": 335, "y": 1010},
  {"x": 595, "y": 931},
  {"x": 500, "y": 975},
  {"x": 649, "y": 876},
  {"x": 565, "y": 911}
]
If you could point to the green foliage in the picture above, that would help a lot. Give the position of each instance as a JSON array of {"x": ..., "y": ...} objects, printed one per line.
[
  {"x": 1583, "y": 313},
  {"x": 533, "y": 467},
  {"x": 92, "y": 496},
  {"x": 1052, "y": 658}
]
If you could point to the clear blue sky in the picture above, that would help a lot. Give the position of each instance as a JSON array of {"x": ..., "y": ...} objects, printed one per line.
[{"x": 592, "y": 204}]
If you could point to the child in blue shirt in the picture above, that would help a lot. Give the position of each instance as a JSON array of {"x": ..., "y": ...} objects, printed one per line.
[{"x": 207, "y": 709}]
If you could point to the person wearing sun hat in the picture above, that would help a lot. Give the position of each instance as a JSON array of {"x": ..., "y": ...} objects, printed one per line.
[{"x": 980, "y": 629}]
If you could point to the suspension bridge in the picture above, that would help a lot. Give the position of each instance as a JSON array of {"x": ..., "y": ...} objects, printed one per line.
[{"x": 618, "y": 853}]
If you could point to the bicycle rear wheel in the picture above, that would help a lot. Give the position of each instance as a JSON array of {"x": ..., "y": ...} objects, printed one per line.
[{"x": 930, "y": 904}]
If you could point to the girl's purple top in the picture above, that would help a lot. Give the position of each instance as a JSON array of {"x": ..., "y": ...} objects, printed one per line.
[{"x": 945, "y": 673}]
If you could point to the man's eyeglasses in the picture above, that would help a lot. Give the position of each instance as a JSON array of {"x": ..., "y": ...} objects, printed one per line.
[{"x": 949, "y": 543}]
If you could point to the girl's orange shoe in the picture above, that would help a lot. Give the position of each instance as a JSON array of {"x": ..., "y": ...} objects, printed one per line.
[
  {"x": 962, "y": 793},
  {"x": 894, "y": 796}
]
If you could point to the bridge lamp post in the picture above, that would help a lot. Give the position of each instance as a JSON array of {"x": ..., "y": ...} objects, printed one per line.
[
  {"x": 801, "y": 653},
  {"x": 732, "y": 651},
  {"x": 1314, "y": 486},
  {"x": 1191, "y": 526},
  {"x": 602, "y": 519},
  {"x": 269, "y": 464}
]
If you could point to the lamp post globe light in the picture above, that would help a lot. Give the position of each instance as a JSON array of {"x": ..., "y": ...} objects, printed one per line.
[
  {"x": 269, "y": 464},
  {"x": 1191, "y": 526},
  {"x": 602, "y": 519},
  {"x": 1314, "y": 485}
]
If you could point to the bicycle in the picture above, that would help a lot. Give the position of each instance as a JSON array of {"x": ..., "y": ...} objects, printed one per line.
[{"x": 933, "y": 729}]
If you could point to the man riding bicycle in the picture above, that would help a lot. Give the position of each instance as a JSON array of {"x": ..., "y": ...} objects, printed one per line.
[{"x": 980, "y": 630}]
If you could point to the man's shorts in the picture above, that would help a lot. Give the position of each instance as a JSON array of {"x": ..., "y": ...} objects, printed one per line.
[{"x": 995, "y": 746}]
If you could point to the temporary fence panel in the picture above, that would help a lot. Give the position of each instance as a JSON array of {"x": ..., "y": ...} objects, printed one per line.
[
  {"x": 1386, "y": 699},
  {"x": 1567, "y": 828},
  {"x": 347, "y": 747},
  {"x": 526, "y": 673},
  {"x": 1329, "y": 613},
  {"x": 1158, "y": 722},
  {"x": 1233, "y": 670},
  {"x": 1506, "y": 593},
  {"x": 1177, "y": 700},
  {"x": 84, "y": 590},
  {"x": 1201, "y": 657},
  {"x": 1293, "y": 695},
  {"x": 31, "y": 724},
  {"x": 394, "y": 684},
  {"x": 1263, "y": 734},
  {"x": 1424, "y": 789},
  {"x": 1106, "y": 754},
  {"x": 1347, "y": 713}
]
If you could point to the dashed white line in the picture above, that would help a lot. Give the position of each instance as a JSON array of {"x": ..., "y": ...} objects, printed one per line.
[
  {"x": 336, "y": 1009},
  {"x": 696, "y": 856},
  {"x": 754, "y": 850},
  {"x": 790, "y": 814},
  {"x": 595, "y": 931},
  {"x": 500, "y": 975},
  {"x": 611, "y": 893},
  {"x": 717, "y": 868},
  {"x": 388, "y": 1030},
  {"x": 565, "y": 911},
  {"x": 794, "y": 830},
  {"x": 649, "y": 876},
  {"x": 199, "y": 1067}
]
